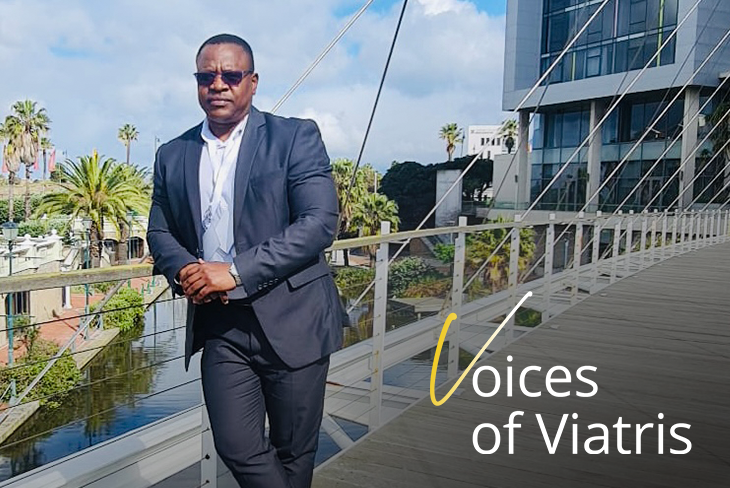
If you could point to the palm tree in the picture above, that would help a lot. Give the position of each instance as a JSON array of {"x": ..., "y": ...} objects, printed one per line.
[
  {"x": 127, "y": 133},
  {"x": 45, "y": 147},
  {"x": 481, "y": 245},
  {"x": 140, "y": 178},
  {"x": 98, "y": 188},
  {"x": 31, "y": 124},
  {"x": 509, "y": 132},
  {"x": 9, "y": 132},
  {"x": 453, "y": 136},
  {"x": 371, "y": 178},
  {"x": 372, "y": 209}
]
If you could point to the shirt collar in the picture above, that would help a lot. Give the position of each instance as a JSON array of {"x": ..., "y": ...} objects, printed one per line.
[{"x": 210, "y": 138}]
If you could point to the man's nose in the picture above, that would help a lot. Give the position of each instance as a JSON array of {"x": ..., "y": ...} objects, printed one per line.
[{"x": 218, "y": 84}]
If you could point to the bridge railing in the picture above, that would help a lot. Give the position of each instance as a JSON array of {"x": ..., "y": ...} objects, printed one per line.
[{"x": 398, "y": 288}]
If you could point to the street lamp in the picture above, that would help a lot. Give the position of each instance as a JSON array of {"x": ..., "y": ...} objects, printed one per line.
[
  {"x": 87, "y": 236},
  {"x": 10, "y": 233}
]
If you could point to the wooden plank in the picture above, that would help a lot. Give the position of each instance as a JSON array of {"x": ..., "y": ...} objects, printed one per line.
[{"x": 660, "y": 341}]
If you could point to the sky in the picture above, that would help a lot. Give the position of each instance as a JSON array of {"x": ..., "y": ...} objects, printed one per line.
[{"x": 95, "y": 66}]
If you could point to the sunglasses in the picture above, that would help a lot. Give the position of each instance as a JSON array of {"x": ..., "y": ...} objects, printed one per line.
[{"x": 230, "y": 78}]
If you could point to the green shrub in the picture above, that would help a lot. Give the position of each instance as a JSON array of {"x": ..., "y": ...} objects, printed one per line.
[
  {"x": 444, "y": 252},
  {"x": 353, "y": 281},
  {"x": 36, "y": 228},
  {"x": 119, "y": 312},
  {"x": 58, "y": 381},
  {"x": 430, "y": 286},
  {"x": 104, "y": 286},
  {"x": 406, "y": 272}
]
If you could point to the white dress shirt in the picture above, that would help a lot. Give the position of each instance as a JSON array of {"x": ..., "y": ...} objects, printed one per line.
[{"x": 218, "y": 162}]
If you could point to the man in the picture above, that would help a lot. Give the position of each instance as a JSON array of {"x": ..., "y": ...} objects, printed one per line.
[{"x": 243, "y": 207}]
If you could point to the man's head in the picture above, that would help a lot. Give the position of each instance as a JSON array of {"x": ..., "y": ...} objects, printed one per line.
[{"x": 226, "y": 79}]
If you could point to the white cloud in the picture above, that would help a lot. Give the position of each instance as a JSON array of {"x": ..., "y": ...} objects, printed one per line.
[
  {"x": 96, "y": 66},
  {"x": 436, "y": 7}
]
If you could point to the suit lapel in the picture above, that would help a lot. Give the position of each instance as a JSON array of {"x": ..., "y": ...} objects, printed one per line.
[
  {"x": 252, "y": 136},
  {"x": 193, "y": 151}
]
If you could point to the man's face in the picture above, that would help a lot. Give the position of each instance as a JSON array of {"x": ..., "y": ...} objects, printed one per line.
[{"x": 221, "y": 102}]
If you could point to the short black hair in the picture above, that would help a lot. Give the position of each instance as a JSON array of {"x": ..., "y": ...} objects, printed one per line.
[{"x": 228, "y": 39}]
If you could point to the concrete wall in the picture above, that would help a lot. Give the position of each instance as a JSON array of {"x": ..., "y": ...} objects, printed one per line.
[
  {"x": 448, "y": 212},
  {"x": 504, "y": 174}
]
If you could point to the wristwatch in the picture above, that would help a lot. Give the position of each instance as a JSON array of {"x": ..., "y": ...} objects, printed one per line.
[{"x": 234, "y": 272}]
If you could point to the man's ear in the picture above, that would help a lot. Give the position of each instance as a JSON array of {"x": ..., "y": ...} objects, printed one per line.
[{"x": 254, "y": 82}]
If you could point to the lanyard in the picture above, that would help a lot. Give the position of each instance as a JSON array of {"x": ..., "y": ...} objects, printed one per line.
[{"x": 222, "y": 172}]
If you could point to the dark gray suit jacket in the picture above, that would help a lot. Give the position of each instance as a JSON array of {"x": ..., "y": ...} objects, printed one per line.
[{"x": 285, "y": 215}]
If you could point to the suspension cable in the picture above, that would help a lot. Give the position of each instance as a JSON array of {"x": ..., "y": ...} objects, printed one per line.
[
  {"x": 321, "y": 56},
  {"x": 372, "y": 113}
]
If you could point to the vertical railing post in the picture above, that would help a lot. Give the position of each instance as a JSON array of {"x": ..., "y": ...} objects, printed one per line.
[
  {"x": 675, "y": 229},
  {"x": 514, "y": 276},
  {"x": 665, "y": 240},
  {"x": 457, "y": 296},
  {"x": 596, "y": 251},
  {"x": 718, "y": 226},
  {"x": 629, "y": 240},
  {"x": 726, "y": 229},
  {"x": 379, "y": 320},
  {"x": 708, "y": 229},
  {"x": 209, "y": 461},
  {"x": 718, "y": 229},
  {"x": 616, "y": 247},
  {"x": 577, "y": 253},
  {"x": 548, "y": 274},
  {"x": 682, "y": 228},
  {"x": 652, "y": 246},
  {"x": 642, "y": 241}
]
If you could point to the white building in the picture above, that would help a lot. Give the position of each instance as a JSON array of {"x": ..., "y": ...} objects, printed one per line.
[{"x": 487, "y": 137}]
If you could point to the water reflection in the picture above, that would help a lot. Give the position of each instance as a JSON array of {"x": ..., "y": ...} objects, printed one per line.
[
  {"x": 136, "y": 381},
  {"x": 129, "y": 384}
]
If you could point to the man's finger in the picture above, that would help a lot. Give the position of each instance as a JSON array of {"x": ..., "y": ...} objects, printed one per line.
[
  {"x": 192, "y": 287},
  {"x": 199, "y": 271},
  {"x": 187, "y": 269},
  {"x": 203, "y": 292}
]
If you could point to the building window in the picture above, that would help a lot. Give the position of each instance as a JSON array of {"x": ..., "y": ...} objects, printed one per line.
[
  {"x": 605, "y": 48},
  {"x": 21, "y": 303}
]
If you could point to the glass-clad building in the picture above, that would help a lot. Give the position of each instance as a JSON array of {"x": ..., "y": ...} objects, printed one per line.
[{"x": 643, "y": 137}]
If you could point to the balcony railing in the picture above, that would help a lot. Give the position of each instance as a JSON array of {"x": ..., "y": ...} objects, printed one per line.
[{"x": 136, "y": 417}]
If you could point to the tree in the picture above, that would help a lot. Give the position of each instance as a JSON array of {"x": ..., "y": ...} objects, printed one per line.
[
  {"x": 34, "y": 124},
  {"x": 127, "y": 133},
  {"x": 479, "y": 248},
  {"x": 342, "y": 174},
  {"x": 413, "y": 187},
  {"x": 452, "y": 135},
  {"x": 24, "y": 130},
  {"x": 9, "y": 133},
  {"x": 509, "y": 132},
  {"x": 139, "y": 177},
  {"x": 98, "y": 188},
  {"x": 45, "y": 146},
  {"x": 370, "y": 211}
]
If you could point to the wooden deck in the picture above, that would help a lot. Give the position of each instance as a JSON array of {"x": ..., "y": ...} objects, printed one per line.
[{"x": 661, "y": 342}]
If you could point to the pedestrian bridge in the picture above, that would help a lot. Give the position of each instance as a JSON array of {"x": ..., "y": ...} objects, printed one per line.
[{"x": 644, "y": 298}]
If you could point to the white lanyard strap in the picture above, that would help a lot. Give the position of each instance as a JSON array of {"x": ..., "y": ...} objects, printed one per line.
[{"x": 221, "y": 173}]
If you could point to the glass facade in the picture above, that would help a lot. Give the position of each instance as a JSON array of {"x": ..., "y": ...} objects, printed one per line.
[
  {"x": 558, "y": 134},
  {"x": 624, "y": 36},
  {"x": 651, "y": 167}
]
